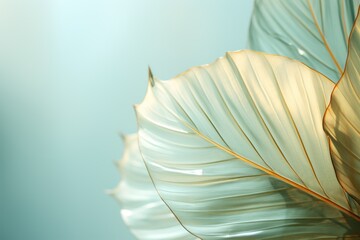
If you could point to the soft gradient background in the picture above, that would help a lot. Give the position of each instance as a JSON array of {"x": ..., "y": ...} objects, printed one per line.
[{"x": 70, "y": 71}]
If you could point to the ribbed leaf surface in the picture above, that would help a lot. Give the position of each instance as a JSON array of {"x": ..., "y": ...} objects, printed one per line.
[
  {"x": 312, "y": 31},
  {"x": 222, "y": 143},
  {"x": 143, "y": 211},
  {"x": 342, "y": 120}
]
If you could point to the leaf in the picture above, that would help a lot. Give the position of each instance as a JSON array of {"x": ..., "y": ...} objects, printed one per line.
[
  {"x": 312, "y": 31},
  {"x": 236, "y": 148},
  {"x": 342, "y": 120},
  {"x": 143, "y": 211}
]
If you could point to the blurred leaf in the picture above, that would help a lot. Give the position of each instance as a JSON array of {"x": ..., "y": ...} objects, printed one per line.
[{"x": 143, "y": 211}]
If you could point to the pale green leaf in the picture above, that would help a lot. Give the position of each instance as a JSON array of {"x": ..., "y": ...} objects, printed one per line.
[
  {"x": 342, "y": 120},
  {"x": 312, "y": 31},
  {"x": 222, "y": 143},
  {"x": 143, "y": 211}
]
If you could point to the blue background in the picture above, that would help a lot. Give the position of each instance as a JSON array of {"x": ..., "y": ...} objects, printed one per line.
[{"x": 70, "y": 72}]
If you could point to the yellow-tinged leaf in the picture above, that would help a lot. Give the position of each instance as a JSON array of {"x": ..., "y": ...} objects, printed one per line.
[{"x": 342, "y": 120}]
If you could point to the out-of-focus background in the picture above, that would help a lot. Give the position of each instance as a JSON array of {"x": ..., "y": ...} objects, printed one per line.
[{"x": 70, "y": 71}]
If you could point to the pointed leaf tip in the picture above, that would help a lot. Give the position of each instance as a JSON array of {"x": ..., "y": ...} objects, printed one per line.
[
  {"x": 122, "y": 136},
  {"x": 151, "y": 77},
  {"x": 135, "y": 106}
]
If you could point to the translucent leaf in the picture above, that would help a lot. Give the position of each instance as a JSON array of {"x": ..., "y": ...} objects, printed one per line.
[
  {"x": 237, "y": 149},
  {"x": 143, "y": 211},
  {"x": 312, "y": 31},
  {"x": 342, "y": 120}
]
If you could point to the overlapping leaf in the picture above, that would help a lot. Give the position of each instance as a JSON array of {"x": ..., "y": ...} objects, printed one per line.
[
  {"x": 312, "y": 31},
  {"x": 143, "y": 211},
  {"x": 342, "y": 120},
  {"x": 236, "y": 149}
]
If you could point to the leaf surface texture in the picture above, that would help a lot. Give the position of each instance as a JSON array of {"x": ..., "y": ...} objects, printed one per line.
[
  {"x": 143, "y": 211},
  {"x": 312, "y": 31},
  {"x": 222, "y": 142},
  {"x": 342, "y": 120}
]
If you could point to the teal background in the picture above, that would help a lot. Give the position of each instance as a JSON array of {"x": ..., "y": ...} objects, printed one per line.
[{"x": 70, "y": 72}]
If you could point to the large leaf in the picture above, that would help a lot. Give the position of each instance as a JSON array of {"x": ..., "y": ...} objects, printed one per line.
[
  {"x": 342, "y": 120},
  {"x": 236, "y": 149},
  {"x": 143, "y": 211},
  {"x": 312, "y": 31}
]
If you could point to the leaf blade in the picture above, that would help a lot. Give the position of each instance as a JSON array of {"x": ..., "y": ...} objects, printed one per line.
[
  {"x": 239, "y": 109},
  {"x": 305, "y": 30},
  {"x": 342, "y": 120},
  {"x": 143, "y": 211}
]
